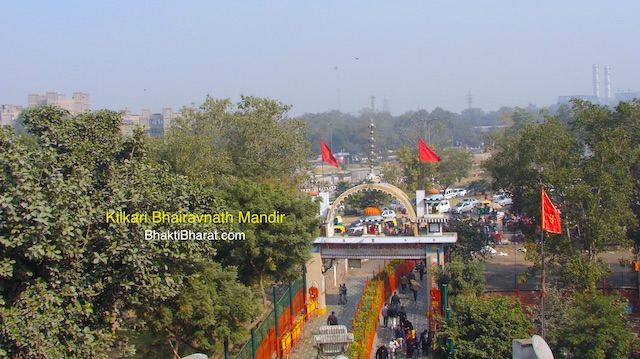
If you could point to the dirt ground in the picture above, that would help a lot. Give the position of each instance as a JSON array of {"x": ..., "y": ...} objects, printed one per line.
[{"x": 502, "y": 271}]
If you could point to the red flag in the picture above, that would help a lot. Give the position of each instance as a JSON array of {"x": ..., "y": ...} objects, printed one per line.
[
  {"x": 550, "y": 215},
  {"x": 426, "y": 154},
  {"x": 327, "y": 155}
]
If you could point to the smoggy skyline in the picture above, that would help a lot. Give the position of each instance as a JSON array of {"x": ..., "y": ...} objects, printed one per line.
[{"x": 318, "y": 56}]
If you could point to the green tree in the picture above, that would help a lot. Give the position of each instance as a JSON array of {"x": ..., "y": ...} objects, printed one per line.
[
  {"x": 212, "y": 306},
  {"x": 67, "y": 272},
  {"x": 597, "y": 327},
  {"x": 471, "y": 239},
  {"x": 587, "y": 175},
  {"x": 482, "y": 327},
  {"x": 221, "y": 141},
  {"x": 275, "y": 250},
  {"x": 417, "y": 175},
  {"x": 463, "y": 277},
  {"x": 455, "y": 166}
]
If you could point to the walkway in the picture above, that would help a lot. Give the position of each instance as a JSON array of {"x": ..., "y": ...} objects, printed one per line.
[
  {"x": 355, "y": 281},
  {"x": 416, "y": 314}
]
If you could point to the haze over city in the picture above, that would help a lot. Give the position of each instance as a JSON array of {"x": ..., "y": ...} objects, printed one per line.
[{"x": 318, "y": 56}]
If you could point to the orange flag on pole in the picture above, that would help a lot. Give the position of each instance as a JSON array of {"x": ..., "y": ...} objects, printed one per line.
[
  {"x": 550, "y": 215},
  {"x": 327, "y": 155},
  {"x": 426, "y": 154}
]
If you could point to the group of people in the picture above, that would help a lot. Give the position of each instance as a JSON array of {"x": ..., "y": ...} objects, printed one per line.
[
  {"x": 394, "y": 316},
  {"x": 405, "y": 338},
  {"x": 343, "y": 293}
]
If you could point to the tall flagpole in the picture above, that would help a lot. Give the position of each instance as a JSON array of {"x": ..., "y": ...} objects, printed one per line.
[
  {"x": 543, "y": 275},
  {"x": 321, "y": 175},
  {"x": 543, "y": 278}
]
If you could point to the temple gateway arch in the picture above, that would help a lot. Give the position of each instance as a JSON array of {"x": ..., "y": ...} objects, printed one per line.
[{"x": 384, "y": 187}]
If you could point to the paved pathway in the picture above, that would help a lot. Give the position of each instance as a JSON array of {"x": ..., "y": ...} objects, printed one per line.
[
  {"x": 416, "y": 314},
  {"x": 355, "y": 281}
]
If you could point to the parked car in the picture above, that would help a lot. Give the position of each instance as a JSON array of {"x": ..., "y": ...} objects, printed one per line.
[
  {"x": 449, "y": 193},
  {"x": 463, "y": 207},
  {"x": 460, "y": 192},
  {"x": 437, "y": 206},
  {"x": 388, "y": 213},
  {"x": 503, "y": 200},
  {"x": 472, "y": 200}
]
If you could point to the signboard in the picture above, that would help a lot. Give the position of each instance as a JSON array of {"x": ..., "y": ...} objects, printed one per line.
[{"x": 374, "y": 250}]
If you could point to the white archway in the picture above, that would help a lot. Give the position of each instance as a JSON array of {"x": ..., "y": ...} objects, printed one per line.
[{"x": 384, "y": 187}]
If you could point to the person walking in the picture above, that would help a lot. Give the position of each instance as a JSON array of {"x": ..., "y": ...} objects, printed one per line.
[
  {"x": 411, "y": 276},
  {"x": 402, "y": 315},
  {"x": 382, "y": 352},
  {"x": 343, "y": 293},
  {"x": 332, "y": 319},
  {"x": 424, "y": 342},
  {"x": 403, "y": 283},
  {"x": 395, "y": 299},
  {"x": 385, "y": 315},
  {"x": 392, "y": 313},
  {"x": 393, "y": 348},
  {"x": 415, "y": 287}
]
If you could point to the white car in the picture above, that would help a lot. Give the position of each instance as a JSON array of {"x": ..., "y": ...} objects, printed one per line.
[
  {"x": 388, "y": 213},
  {"x": 460, "y": 192},
  {"x": 437, "y": 206},
  {"x": 463, "y": 207},
  {"x": 449, "y": 193},
  {"x": 472, "y": 200},
  {"x": 503, "y": 200}
]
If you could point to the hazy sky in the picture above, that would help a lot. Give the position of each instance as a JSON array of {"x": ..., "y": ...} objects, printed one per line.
[{"x": 414, "y": 54}]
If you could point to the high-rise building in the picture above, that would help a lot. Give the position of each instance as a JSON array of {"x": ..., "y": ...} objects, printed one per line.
[
  {"x": 78, "y": 104},
  {"x": 9, "y": 114}
]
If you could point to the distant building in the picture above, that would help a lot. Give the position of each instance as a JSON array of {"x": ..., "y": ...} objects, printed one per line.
[
  {"x": 78, "y": 104},
  {"x": 154, "y": 124},
  {"x": 627, "y": 96},
  {"x": 9, "y": 114}
]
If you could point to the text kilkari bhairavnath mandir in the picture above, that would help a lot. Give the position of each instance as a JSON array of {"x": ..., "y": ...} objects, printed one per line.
[{"x": 193, "y": 218}]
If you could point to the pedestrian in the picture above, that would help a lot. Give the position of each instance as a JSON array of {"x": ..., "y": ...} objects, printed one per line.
[
  {"x": 385, "y": 315},
  {"x": 413, "y": 350},
  {"x": 403, "y": 283},
  {"x": 395, "y": 299},
  {"x": 424, "y": 342},
  {"x": 392, "y": 313},
  {"x": 332, "y": 319},
  {"x": 399, "y": 335},
  {"x": 421, "y": 268},
  {"x": 410, "y": 346},
  {"x": 402, "y": 314},
  {"x": 411, "y": 276},
  {"x": 343, "y": 293},
  {"x": 393, "y": 348},
  {"x": 382, "y": 352},
  {"x": 415, "y": 287}
]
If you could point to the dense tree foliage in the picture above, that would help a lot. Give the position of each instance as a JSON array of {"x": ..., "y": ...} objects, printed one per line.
[
  {"x": 272, "y": 249},
  {"x": 252, "y": 139},
  {"x": 482, "y": 327},
  {"x": 349, "y": 133},
  {"x": 210, "y": 307},
  {"x": 587, "y": 159},
  {"x": 68, "y": 272},
  {"x": 587, "y": 167}
]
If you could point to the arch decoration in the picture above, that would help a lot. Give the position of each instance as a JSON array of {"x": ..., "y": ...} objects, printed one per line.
[{"x": 384, "y": 187}]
